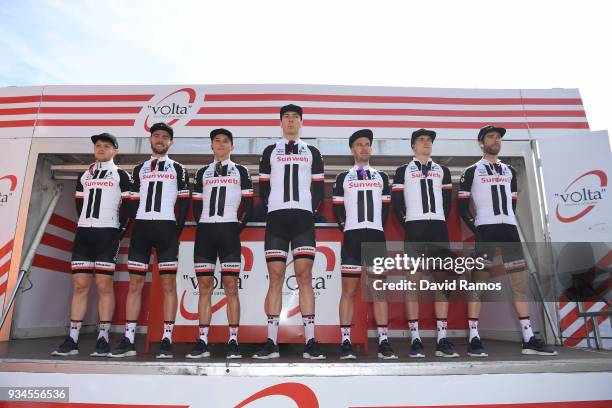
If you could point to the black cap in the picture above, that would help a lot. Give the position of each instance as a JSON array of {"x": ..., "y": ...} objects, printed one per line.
[
  {"x": 422, "y": 132},
  {"x": 105, "y": 136},
  {"x": 222, "y": 131},
  {"x": 361, "y": 133},
  {"x": 163, "y": 126},
  {"x": 490, "y": 128},
  {"x": 291, "y": 108}
]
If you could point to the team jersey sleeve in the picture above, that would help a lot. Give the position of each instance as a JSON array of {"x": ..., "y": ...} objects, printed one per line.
[
  {"x": 135, "y": 191},
  {"x": 78, "y": 196},
  {"x": 338, "y": 200},
  {"x": 386, "y": 198},
  {"x": 125, "y": 184},
  {"x": 265, "y": 169},
  {"x": 397, "y": 194},
  {"x": 198, "y": 194},
  {"x": 318, "y": 178},
  {"x": 514, "y": 188},
  {"x": 183, "y": 196},
  {"x": 447, "y": 191},
  {"x": 246, "y": 203},
  {"x": 464, "y": 195}
]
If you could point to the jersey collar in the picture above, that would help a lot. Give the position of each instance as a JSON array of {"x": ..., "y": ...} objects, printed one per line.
[
  {"x": 104, "y": 165},
  {"x": 162, "y": 158},
  {"x": 414, "y": 159},
  {"x": 366, "y": 167},
  {"x": 483, "y": 160},
  {"x": 223, "y": 163}
]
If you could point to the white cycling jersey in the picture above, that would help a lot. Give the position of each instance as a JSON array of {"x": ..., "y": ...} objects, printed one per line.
[
  {"x": 158, "y": 182},
  {"x": 492, "y": 187},
  {"x": 290, "y": 168},
  {"x": 221, "y": 187},
  {"x": 363, "y": 196}
]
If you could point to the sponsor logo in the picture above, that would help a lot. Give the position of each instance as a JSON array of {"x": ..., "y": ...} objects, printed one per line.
[
  {"x": 172, "y": 108},
  {"x": 248, "y": 259},
  {"x": 429, "y": 174},
  {"x": 319, "y": 283},
  {"x": 496, "y": 180},
  {"x": 366, "y": 184},
  {"x": 581, "y": 196},
  {"x": 158, "y": 176},
  {"x": 6, "y": 194},
  {"x": 221, "y": 180},
  {"x": 287, "y": 159},
  {"x": 99, "y": 184}
]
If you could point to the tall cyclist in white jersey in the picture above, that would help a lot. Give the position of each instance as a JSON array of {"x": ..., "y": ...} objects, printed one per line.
[
  {"x": 361, "y": 199},
  {"x": 222, "y": 205},
  {"x": 492, "y": 186},
  {"x": 102, "y": 202},
  {"x": 422, "y": 191},
  {"x": 291, "y": 185},
  {"x": 160, "y": 195}
]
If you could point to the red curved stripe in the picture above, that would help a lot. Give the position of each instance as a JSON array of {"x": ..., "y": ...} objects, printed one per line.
[{"x": 302, "y": 395}]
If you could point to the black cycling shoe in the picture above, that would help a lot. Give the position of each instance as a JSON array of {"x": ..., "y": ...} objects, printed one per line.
[
  {"x": 268, "y": 351},
  {"x": 68, "y": 348}
]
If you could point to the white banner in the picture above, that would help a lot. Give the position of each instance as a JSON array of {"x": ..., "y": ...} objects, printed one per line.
[
  {"x": 12, "y": 172},
  {"x": 253, "y": 110},
  {"x": 253, "y": 286},
  {"x": 582, "y": 390},
  {"x": 576, "y": 177}
]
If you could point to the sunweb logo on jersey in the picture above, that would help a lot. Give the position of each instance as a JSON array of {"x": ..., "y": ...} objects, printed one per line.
[
  {"x": 173, "y": 108},
  {"x": 581, "y": 196},
  {"x": 8, "y": 184}
]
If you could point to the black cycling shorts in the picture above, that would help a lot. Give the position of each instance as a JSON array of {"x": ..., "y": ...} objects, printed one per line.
[
  {"x": 427, "y": 238},
  {"x": 506, "y": 239},
  {"x": 95, "y": 249},
  {"x": 353, "y": 257},
  {"x": 158, "y": 234},
  {"x": 289, "y": 226},
  {"x": 217, "y": 240}
]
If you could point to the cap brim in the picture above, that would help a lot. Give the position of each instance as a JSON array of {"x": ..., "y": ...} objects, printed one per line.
[{"x": 95, "y": 138}]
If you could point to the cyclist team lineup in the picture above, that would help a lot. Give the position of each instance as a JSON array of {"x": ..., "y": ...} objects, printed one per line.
[{"x": 157, "y": 197}]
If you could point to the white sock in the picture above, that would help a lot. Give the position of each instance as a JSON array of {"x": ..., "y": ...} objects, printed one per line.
[
  {"x": 204, "y": 333},
  {"x": 441, "y": 325},
  {"x": 473, "y": 326},
  {"x": 130, "y": 330},
  {"x": 345, "y": 331},
  {"x": 413, "y": 325},
  {"x": 382, "y": 333},
  {"x": 168, "y": 327},
  {"x": 233, "y": 333},
  {"x": 103, "y": 329},
  {"x": 273, "y": 321},
  {"x": 75, "y": 327},
  {"x": 526, "y": 328},
  {"x": 309, "y": 327}
]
